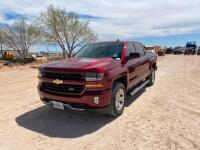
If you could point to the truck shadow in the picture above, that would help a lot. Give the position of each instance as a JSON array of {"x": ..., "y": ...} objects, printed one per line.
[
  {"x": 131, "y": 99},
  {"x": 63, "y": 124},
  {"x": 66, "y": 124}
]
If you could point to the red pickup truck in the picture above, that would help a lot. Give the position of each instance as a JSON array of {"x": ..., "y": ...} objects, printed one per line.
[{"x": 98, "y": 78}]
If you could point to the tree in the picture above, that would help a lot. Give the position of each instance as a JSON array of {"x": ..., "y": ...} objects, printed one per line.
[
  {"x": 1, "y": 42},
  {"x": 20, "y": 36},
  {"x": 65, "y": 29}
]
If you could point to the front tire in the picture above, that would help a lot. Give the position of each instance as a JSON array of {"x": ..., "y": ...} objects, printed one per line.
[{"x": 116, "y": 107}]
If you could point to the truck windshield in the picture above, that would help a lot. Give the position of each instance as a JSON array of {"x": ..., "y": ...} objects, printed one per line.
[
  {"x": 190, "y": 45},
  {"x": 101, "y": 50},
  {"x": 177, "y": 48}
]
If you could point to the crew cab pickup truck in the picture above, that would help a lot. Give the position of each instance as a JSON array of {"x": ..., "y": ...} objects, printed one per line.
[
  {"x": 98, "y": 78},
  {"x": 191, "y": 48}
]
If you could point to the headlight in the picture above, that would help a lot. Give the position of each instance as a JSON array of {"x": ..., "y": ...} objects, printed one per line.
[
  {"x": 93, "y": 76},
  {"x": 40, "y": 75}
]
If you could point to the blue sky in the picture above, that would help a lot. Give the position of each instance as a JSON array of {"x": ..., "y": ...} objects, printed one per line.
[
  {"x": 172, "y": 40},
  {"x": 154, "y": 22}
]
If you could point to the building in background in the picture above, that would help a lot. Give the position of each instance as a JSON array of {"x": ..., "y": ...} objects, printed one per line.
[{"x": 156, "y": 49}]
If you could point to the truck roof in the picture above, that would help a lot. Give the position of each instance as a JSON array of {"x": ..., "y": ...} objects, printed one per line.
[
  {"x": 191, "y": 42},
  {"x": 102, "y": 42}
]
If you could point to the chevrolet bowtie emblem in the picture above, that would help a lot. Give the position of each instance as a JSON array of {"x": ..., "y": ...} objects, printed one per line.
[{"x": 57, "y": 81}]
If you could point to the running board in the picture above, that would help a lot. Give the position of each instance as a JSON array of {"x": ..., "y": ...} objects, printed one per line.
[{"x": 135, "y": 90}]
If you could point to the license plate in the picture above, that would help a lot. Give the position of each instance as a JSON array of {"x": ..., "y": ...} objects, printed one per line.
[{"x": 57, "y": 105}]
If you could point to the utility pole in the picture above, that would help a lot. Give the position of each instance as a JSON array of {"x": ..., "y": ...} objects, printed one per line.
[
  {"x": 47, "y": 53},
  {"x": 1, "y": 50}
]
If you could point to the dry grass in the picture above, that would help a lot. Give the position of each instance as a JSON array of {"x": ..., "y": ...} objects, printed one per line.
[{"x": 41, "y": 60}]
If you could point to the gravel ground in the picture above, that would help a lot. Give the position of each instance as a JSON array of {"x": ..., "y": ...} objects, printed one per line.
[{"x": 164, "y": 116}]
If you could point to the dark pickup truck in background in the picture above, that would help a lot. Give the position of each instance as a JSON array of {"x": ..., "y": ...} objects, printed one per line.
[
  {"x": 179, "y": 50},
  {"x": 191, "y": 48},
  {"x": 98, "y": 77},
  {"x": 169, "y": 50}
]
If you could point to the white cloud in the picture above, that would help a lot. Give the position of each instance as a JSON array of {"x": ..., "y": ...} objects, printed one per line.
[{"x": 122, "y": 18}]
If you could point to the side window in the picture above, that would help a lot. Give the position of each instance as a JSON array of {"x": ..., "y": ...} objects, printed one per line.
[
  {"x": 130, "y": 49},
  {"x": 139, "y": 48}
]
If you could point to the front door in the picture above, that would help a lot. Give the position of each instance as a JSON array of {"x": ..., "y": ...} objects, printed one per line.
[{"x": 132, "y": 65}]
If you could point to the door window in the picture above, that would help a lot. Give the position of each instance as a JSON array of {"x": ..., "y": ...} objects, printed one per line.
[
  {"x": 130, "y": 49},
  {"x": 139, "y": 48}
]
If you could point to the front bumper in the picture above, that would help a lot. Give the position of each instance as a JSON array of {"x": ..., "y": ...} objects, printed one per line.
[
  {"x": 85, "y": 101},
  {"x": 67, "y": 107}
]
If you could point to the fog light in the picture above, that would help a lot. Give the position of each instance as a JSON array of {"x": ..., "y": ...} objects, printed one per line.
[
  {"x": 96, "y": 100},
  {"x": 94, "y": 86}
]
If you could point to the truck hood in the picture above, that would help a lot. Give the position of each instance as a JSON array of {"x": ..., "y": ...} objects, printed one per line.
[{"x": 82, "y": 65}]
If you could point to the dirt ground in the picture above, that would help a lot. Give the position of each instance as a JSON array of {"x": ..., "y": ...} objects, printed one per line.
[{"x": 164, "y": 116}]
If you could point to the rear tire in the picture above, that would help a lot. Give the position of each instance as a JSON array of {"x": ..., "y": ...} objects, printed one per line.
[
  {"x": 151, "y": 77},
  {"x": 116, "y": 107}
]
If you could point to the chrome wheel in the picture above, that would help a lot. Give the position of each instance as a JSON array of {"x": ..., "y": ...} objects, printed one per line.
[{"x": 119, "y": 99}]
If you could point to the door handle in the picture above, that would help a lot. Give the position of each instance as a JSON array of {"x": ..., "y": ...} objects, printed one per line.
[{"x": 132, "y": 68}]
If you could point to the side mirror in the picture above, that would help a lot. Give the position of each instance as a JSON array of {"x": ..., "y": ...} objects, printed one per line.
[{"x": 134, "y": 55}]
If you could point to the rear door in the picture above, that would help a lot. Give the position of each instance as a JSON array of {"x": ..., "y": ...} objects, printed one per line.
[{"x": 143, "y": 62}]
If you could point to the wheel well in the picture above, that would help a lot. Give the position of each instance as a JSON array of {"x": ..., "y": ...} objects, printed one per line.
[
  {"x": 122, "y": 80},
  {"x": 154, "y": 65}
]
